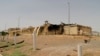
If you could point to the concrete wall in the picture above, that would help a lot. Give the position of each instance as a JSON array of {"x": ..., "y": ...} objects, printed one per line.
[
  {"x": 77, "y": 30},
  {"x": 70, "y": 30},
  {"x": 85, "y": 31},
  {"x": 74, "y": 30}
]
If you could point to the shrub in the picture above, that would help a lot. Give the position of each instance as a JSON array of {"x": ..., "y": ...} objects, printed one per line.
[{"x": 15, "y": 53}]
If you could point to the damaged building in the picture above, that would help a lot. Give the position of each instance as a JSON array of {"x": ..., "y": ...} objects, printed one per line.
[
  {"x": 64, "y": 29},
  {"x": 54, "y": 29}
]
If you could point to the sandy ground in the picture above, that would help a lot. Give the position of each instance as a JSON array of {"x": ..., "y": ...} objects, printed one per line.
[{"x": 59, "y": 45}]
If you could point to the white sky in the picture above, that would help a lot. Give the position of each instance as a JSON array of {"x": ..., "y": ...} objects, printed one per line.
[{"x": 35, "y": 12}]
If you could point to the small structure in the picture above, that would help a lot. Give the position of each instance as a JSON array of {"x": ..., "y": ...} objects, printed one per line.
[
  {"x": 95, "y": 33},
  {"x": 28, "y": 30},
  {"x": 75, "y": 29},
  {"x": 12, "y": 31},
  {"x": 19, "y": 31}
]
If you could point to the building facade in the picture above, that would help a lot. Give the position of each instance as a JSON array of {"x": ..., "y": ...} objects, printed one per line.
[
  {"x": 55, "y": 29},
  {"x": 75, "y": 29},
  {"x": 64, "y": 29}
]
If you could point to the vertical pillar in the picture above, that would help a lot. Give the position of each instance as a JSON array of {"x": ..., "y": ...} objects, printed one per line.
[
  {"x": 37, "y": 32},
  {"x": 79, "y": 47},
  {"x": 34, "y": 39},
  {"x": 15, "y": 39}
]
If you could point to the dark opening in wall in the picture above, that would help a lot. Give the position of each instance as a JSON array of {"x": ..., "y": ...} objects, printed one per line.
[{"x": 54, "y": 28}]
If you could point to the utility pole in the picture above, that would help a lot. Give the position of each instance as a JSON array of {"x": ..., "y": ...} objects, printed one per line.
[
  {"x": 6, "y": 32},
  {"x": 5, "y": 27},
  {"x": 19, "y": 22},
  {"x": 69, "y": 17}
]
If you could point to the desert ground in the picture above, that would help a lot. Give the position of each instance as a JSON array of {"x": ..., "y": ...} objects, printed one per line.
[{"x": 55, "y": 45}]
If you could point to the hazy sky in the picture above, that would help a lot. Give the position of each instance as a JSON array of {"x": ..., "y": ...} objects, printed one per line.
[{"x": 35, "y": 12}]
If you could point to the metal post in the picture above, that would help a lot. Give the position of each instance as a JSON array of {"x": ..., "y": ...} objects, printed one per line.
[
  {"x": 37, "y": 32},
  {"x": 15, "y": 39},
  {"x": 34, "y": 39},
  {"x": 79, "y": 50}
]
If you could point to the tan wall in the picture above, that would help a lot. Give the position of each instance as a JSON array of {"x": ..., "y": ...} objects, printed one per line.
[
  {"x": 86, "y": 31},
  {"x": 66, "y": 30},
  {"x": 74, "y": 30},
  {"x": 70, "y": 30}
]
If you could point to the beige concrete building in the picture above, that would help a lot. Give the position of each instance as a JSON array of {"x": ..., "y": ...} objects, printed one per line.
[
  {"x": 12, "y": 31},
  {"x": 28, "y": 30},
  {"x": 75, "y": 29}
]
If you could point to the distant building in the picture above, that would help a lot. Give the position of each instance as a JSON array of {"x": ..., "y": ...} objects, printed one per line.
[
  {"x": 55, "y": 29},
  {"x": 76, "y": 29},
  {"x": 13, "y": 31},
  {"x": 66, "y": 29},
  {"x": 28, "y": 30},
  {"x": 95, "y": 33}
]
